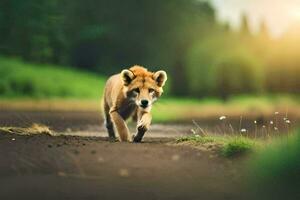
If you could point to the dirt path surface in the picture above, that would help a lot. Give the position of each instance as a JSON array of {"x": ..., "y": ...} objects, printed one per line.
[
  {"x": 73, "y": 167},
  {"x": 65, "y": 167}
]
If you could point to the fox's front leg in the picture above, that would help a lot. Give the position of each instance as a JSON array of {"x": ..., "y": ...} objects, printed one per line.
[
  {"x": 120, "y": 125},
  {"x": 144, "y": 121}
]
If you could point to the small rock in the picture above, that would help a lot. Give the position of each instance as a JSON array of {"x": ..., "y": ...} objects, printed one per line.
[
  {"x": 61, "y": 174},
  {"x": 100, "y": 159},
  {"x": 124, "y": 173},
  {"x": 175, "y": 157},
  {"x": 212, "y": 156}
]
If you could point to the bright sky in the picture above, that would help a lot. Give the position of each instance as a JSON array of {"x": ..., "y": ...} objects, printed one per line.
[{"x": 278, "y": 14}]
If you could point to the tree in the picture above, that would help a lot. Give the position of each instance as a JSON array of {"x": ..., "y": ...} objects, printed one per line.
[
  {"x": 244, "y": 27},
  {"x": 264, "y": 31}
]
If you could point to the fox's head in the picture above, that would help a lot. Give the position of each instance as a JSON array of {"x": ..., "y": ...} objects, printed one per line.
[{"x": 142, "y": 86}]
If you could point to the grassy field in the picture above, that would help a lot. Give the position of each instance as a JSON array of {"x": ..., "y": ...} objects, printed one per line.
[
  {"x": 251, "y": 107},
  {"x": 47, "y": 87},
  {"x": 22, "y": 80}
]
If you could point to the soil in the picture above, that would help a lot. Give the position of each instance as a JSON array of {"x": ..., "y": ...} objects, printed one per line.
[{"x": 91, "y": 167}]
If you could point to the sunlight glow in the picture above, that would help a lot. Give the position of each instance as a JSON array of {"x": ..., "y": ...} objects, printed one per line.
[
  {"x": 295, "y": 13},
  {"x": 280, "y": 15}
]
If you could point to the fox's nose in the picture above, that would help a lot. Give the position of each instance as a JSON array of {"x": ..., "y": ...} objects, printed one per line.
[{"x": 144, "y": 103}]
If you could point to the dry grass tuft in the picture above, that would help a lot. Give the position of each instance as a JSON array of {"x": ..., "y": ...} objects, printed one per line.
[{"x": 34, "y": 129}]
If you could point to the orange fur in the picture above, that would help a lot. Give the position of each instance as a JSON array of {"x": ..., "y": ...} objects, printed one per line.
[{"x": 131, "y": 93}]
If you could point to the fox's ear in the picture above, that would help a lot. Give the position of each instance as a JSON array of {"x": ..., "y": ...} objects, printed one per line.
[
  {"x": 160, "y": 77},
  {"x": 127, "y": 76}
]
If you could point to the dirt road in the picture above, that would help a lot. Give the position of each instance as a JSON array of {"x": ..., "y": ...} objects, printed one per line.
[
  {"x": 47, "y": 167},
  {"x": 77, "y": 167}
]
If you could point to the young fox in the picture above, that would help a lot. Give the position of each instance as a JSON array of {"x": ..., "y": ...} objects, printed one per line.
[{"x": 131, "y": 93}]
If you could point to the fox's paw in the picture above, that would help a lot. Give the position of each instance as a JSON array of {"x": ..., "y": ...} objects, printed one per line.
[
  {"x": 136, "y": 138},
  {"x": 144, "y": 124}
]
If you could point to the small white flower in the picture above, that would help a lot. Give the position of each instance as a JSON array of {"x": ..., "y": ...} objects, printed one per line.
[
  {"x": 275, "y": 128},
  {"x": 284, "y": 119},
  {"x": 13, "y": 139},
  {"x": 271, "y": 122},
  {"x": 276, "y": 113},
  {"x": 222, "y": 117},
  {"x": 193, "y": 131},
  {"x": 255, "y": 122},
  {"x": 264, "y": 126},
  {"x": 197, "y": 135},
  {"x": 287, "y": 121},
  {"x": 243, "y": 130}
]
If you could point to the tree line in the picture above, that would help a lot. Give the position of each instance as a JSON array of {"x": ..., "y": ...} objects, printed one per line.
[{"x": 203, "y": 56}]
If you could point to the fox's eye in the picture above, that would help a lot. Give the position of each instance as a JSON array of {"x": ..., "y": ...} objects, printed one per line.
[
  {"x": 137, "y": 90},
  {"x": 151, "y": 90}
]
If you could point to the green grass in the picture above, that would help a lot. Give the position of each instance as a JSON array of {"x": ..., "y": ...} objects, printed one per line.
[
  {"x": 275, "y": 171},
  {"x": 237, "y": 145},
  {"x": 228, "y": 146},
  {"x": 174, "y": 109},
  {"x": 23, "y": 80},
  {"x": 196, "y": 139}
]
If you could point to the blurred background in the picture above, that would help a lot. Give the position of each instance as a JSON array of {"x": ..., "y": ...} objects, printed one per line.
[
  {"x": 213, "y": 51},
  {"x": 209, "y": 48}
]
